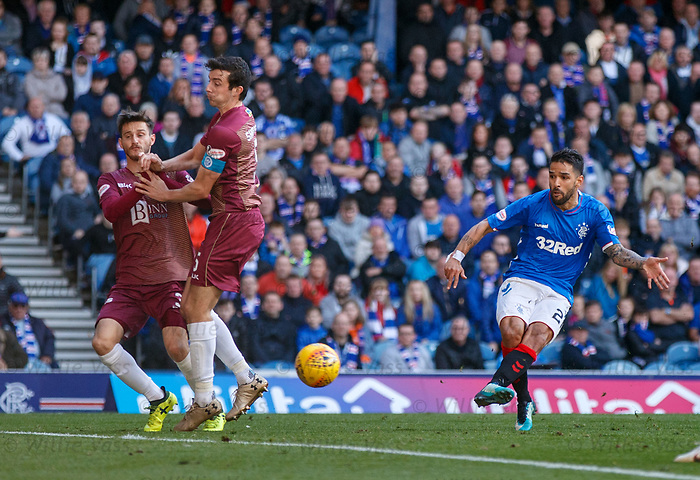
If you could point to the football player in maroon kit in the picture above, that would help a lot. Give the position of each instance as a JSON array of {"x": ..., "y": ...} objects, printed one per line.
[
  {"x": 227, "y": 160},
  {"x": 154, "y": 257}
]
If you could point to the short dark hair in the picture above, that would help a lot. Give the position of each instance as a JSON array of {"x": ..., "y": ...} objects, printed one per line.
[
  {"x": 129, "y": 116},
  {"x": 238, "y": 72},
  {"x": 570, "y": 156}
]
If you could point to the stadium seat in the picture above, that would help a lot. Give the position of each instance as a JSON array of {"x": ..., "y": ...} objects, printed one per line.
[
  {"x": 344, "y": 51},
  {"x": 289, "y": 32},
  {"x": 20, "y": 65},
  {"x": 315, "y": 50},
  {"x": 550, "y": 356},
  {"x": 621, "y": 366},
  {"x": 445, "y": 330},
  {"x": 431, "y": 346},
  {"x": 281, "y": 51},
  {"x": 328, "y": 36},
  {"x": 655, "y": 367},
  {"x": 486, "y": 353},
  {"x": 360, "y": 35},
  {"x": 693, "y": 367},
  {"x": 682, "y": 354}
]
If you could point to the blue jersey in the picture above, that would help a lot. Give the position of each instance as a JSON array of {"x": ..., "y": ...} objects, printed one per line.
[{"x": 555, "y": 245}]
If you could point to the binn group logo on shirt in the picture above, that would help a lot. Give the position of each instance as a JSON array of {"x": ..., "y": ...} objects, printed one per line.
[{"x": 143, "y": 212}]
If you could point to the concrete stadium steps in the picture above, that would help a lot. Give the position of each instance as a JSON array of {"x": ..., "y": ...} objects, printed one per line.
[
  {"x": 51, "y": 295},
  {"x": 84, "y": 366}
]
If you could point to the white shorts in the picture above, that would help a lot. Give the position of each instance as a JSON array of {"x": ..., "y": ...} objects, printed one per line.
[{"x": 532, "y": 302}]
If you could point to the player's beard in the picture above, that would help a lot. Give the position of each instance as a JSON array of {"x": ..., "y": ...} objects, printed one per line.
[
  {"x": 565, "y": 197},
  {"x": 138, "y": 154}
]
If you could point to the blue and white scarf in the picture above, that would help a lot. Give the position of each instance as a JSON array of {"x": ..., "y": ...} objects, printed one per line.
[
  {"x": 181, "y": 18},
  {"x": 40, "y": 133},
  {"x": 381, "y": 320},
  {"x": 236, "y": 35},
  {"x": 560, "y": 141},
  {"x": 250, "y": 308},
  {"x": 664, "y": 134},
  {"x": 291, "y": 214},
  {"x": 411, "y": 356},
  {"x": 486, "y": 186},
  {"x": 206, "y": 23},
  {"x": 304, "y": 65},
  {"x": 349, "y": 355},
  {"x": 198, "y": 71},
  {"x": 586, "y": 350},
  {"x": 26, "y": 337}
]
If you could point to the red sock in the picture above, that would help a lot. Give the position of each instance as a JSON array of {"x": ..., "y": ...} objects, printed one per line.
[
  {"x": 505, "y": 350},
  {"x": 527, "y": 350}
]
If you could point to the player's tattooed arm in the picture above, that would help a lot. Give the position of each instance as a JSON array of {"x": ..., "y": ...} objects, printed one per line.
[
  {"x": 474, "y": 236},
  {"x": 624, "y": 257}
]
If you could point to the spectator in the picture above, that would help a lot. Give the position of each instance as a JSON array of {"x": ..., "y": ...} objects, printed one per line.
[
  {"x": 417, "y": 310},
  {"x": 645, "y": 153},
  {"x": 299, "y": 255},
  {"x": 170, "y": 141},
  {"x": 347, "y": 227},
  {"x": 424, "y": 227},
  {"x": 196, "y": 224},
  {"x": 452, "y": 301},
  {"x": 602, "y": 333},
  {"x": 316, "y": 85},
  {"x": 162, "y": 82},
  {"x": 37, "y": 132},
  {"x": 450, "y": 237},
  {"x": 496, "y": 20},
  {"x": 104, "y": 125},
  {"x": 459, "y": 351},
  {"x": 349, "y": 169},
  {"x": 394, "y": 224},
  {"x": 87, "y": 148},
  {"x": 482, "y": 293},
  {"x": 273, "y": 336},
  {"x": 54, "y": 172},
  {"x": 237, "y": 324},
  {"x": 334, "y": 302},
  {"x": 386, "y": 264},
  {"x": 607, "y": 287},
  {"x": 276, "y": 280},
  {"x": 407, "y": 356},
  {"x": 12, "y": 355},
  {"x": 100, "y": 60},
  {"x": 415, "y": 149},
  {"x": 678, "y": 226},
  {"x": 367, "y": 239},
  {"x": 12, "y": 98},
  {"x": 643, "y": 345},
  {"x": 321, "y": 185},
  {"x": 75, "y": 213},
  {"x": 317, "y": 284},
  {"x": 294, "y": 162},
  {"x": 11, "y": 32},
  {"x": 509, "y": 121},
  {"x": 341, "y": 110},
  {"x": 661, "y": 124},
  {"x": 369, "y": 196},
  {"x": 579, "y": 353},
  {"x": 274, "y": 244},
  {"x": 37, "y": 340},
  {"x": 91, "y": 102},
  {"x": 395, "y": 182},
  {"x": 397, "y": 126},
  {"x": 427, "y": 265},
  {"x": 276, "y": 127},
  {"x": 189, "y": 64},
  {"x": 670, "y": 311},
  {"x": 476, "y": 214},
  {"x": 320, "y": 243},
  {"x": 340, "y": 339},
  {"x": 622, "y": 200},
  {"x": 312, "y": 331},
  {"x": 133, "y": 96}
]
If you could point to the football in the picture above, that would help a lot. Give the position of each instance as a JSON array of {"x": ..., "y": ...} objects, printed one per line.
[{"x": 317, "y": 365}]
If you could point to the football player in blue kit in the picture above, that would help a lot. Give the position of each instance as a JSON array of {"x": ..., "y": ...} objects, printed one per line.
[{"x": 559, "y": 227}]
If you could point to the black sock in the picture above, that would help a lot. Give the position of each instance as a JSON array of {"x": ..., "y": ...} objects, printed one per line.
[
  {"x": 514, "y": 365},
  {"x": 520, "y": 387}
]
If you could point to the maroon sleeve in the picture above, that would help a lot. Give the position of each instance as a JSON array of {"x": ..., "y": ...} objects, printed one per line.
[
  {"x": 181, "y": 179},
  {"x": 113, "y": 204}
]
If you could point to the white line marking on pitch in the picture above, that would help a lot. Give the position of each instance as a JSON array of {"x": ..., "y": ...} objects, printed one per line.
[{"x": 387, "y": 451}]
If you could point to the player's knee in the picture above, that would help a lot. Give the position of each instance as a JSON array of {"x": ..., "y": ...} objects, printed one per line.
[
  {"x": 512, "y": 329},
  {"x": 101, "y": 345},
  {"x": 177, "y": 350}
]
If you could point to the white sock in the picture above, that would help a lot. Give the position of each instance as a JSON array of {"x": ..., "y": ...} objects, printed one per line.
[
  {"x": 125, "y": 367},
  {"x": 202, "y": 347},
  {"x": 228, "y": 352},
  {"x": 185, "y": 366}
]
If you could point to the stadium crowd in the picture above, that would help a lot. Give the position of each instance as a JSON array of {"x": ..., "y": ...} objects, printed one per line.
[{"x": 371, "y": 172}]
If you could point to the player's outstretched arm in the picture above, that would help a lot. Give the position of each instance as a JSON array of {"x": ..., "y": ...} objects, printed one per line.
[
  {"x": 185, "y": 161},
  {"x": 453, "y": 265},
  {"x": 157, "y": 189},
  {"x": 630, "y": 259}
]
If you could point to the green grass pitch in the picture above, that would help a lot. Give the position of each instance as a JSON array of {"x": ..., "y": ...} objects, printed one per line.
[{"x": 111, "y": 446}]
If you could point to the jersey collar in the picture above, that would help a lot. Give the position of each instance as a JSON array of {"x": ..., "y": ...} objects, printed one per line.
[{"x": 565, "y": 212}]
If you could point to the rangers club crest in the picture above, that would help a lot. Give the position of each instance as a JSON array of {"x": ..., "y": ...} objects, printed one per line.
[{"x": 582, "y": 230}]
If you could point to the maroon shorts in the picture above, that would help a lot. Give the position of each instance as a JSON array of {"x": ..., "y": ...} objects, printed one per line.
[
  {"x": 231, "y": 240},
  {"x": 131, "y": 306}
]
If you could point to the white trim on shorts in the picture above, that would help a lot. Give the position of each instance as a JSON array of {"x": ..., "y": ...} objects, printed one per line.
[{"x": 532, "y": 302}]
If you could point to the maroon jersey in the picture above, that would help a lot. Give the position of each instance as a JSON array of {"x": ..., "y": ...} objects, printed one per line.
[
  {"x": 153, "y": 241},
  {"x": 231, "y": 137}
]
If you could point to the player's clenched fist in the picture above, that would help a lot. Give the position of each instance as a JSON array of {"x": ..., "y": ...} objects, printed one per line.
[{"x": 453, "y": 271}]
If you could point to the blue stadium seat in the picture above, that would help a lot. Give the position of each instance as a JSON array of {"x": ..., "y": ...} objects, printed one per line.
[
  {"x": 281, "y": 51},
  {"x": 621, "y": 366},
  {"x": 682, "y": 354},
  {"x": 21, "y": 65},
  {"x": 344, "y": 51},
  {"x": 328, "y": 36},
  {"x": 431, "y": 346},
  {"x": 486, "y": 353},
  {"x": 445, "y": 330},
  {"x": 693, "y": 367},
  {"x": 288, "y": 33},
  {"x": 550, "y": 355},
  {"x": 315, "y": 49},
  {"x": 343, "y": 68},
  {"x": 655, "y": 367},
  {"x": 360, "y": 35},
  {"x": 377, "y": 351}
]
